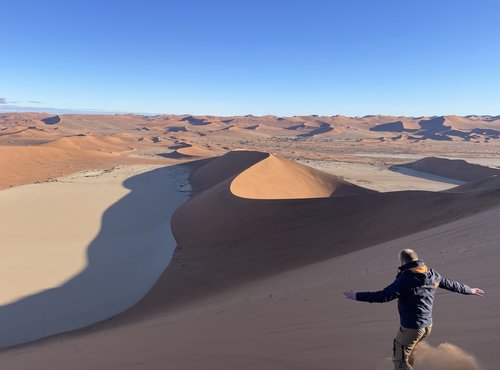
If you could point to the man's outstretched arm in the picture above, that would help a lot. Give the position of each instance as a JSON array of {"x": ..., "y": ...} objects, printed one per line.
[
  {"x": 389, "y": 293},
  {"x": 455, "y": 286}
]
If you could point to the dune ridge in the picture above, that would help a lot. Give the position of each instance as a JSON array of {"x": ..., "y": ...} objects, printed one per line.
[
  {"x": 458, "y": 169},
  {"x": 187, "y": 151},
  {"x": 44, "y": 162},
  {"x": 225, "y": 240},
  {"x": 223, "y": 167},
  {"x": 472, "y": 129}
]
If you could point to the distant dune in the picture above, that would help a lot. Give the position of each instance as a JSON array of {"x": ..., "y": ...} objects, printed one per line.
[
  {"x": 277, "y": 178},
  {"x": 106, "y": 144},
  {"x": 452, "y": 168},
  {"x": 187, "y": 151},
  {"x": 436, "y": 128},
  {"x": 26, "y": 164}
]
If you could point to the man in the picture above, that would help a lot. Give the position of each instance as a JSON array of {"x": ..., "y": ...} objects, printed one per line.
[{"x": 415, "y": 286}]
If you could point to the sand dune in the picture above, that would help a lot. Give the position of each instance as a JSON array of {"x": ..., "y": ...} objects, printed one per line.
[
  {"x": 32, "y": 134},
  {"x": 265, "y": 245},
  {"x": 311, "y": 128},
  {"x": 277, "y": 178},
  {"x": 12, "y": 130},
  {"x": 241, "y": 263},
  {"x": 221, "y": 168},
  {"x": 403, "y": 124},
  {"x": 195, "y": 121},
  {"x": 28, "y": 164},
  {"x": 445, "y": 128},
  {"x": 237, "y": 240},
  {"x": 186, "y": 151},
  {"x": 24, "y": 164},
  {"x": 107, "y": 144},
  {"x": 470, "y": 129},
  {"x": 452, "y": 168},
  {"x": 485, "y": 184},
  {"x": 21, "y": 165}
]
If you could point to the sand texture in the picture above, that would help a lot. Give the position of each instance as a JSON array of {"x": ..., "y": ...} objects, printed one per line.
[{"x": 271, "y": 218}]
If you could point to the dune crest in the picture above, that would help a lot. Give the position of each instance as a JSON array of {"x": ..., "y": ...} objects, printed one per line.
[
  {"x": 186, "y": 151},
  {"x": 278, "y": 178},
  {"x": 452, "y": 168},
  {"x": 224, "y": 167},
  {"x": 98, "y": 143}
]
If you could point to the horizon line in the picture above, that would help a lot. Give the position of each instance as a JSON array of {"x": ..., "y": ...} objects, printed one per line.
[{"x": 22, "y": 109}]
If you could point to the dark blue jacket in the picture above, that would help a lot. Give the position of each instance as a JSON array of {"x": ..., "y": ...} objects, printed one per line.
[{"x": 415, "y": 286}]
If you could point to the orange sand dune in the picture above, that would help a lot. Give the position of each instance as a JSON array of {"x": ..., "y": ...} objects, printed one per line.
[
  {"x": 107, "y": 144},
  {"x": 20, "y": 134},
  {"x": 242, "y": 263},
  {"x": 12, "y": 130},
  {"x": 189, "y": 151},
  {"x": 99, "y": 124},
  {"x": 223, "y": 167},
  {"x": 26, "y": 164},
  {"x": 470, "y": 129},
  {"x": 277, "y": 178}
]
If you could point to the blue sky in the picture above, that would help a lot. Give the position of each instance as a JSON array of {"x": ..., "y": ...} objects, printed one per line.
[{"x": 426, "y": 57}]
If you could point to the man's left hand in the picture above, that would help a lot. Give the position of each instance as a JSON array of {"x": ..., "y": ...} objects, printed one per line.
[{"x": 350, "y": 294}]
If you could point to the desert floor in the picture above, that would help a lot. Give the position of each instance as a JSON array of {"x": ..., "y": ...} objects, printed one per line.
[{"x": 180, "y": 242}]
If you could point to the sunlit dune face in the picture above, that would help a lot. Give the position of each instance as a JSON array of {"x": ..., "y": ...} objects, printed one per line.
[{"x": 277, "y": 178}]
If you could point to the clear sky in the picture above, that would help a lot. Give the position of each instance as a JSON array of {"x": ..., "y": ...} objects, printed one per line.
[{"x": 402, "y": 57}]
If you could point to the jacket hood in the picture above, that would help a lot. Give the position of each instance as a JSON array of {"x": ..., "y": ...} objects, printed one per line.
[{"x": 417, "y": 266}]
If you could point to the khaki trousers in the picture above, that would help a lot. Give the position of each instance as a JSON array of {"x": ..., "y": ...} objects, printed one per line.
[{"x": 405, "y": 342}]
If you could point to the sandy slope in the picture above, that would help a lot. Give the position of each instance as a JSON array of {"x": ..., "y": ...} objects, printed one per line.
[
  {"x": 273, "y": 235},
  {"x": 454, "y": 169},
  {"x": 83, "y": 248},
  {"x": 256, "y": 283},
  {"x": 107, "y": 144},
  {"x": 247, "y": 328},
  {"x": 27, "y": 164},
  {"x": 277, "y": 178}
]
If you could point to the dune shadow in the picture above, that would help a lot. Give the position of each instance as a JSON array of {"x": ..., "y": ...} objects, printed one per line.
[
  {"x": 396, "y": 126},
  {"x": 322, "y": 129},
  {"x": 51, "y": 120},
  {"x": 424, "y": 175},
  {"x": 196, "y": 121},
  {"x": 124, "y": 260},
  {"x": 175, "y": 155}
]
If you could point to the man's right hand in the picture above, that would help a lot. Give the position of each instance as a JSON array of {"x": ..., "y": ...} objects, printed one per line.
[{"x": 477, "y": 291}]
